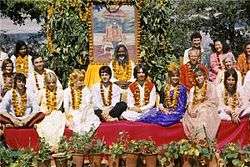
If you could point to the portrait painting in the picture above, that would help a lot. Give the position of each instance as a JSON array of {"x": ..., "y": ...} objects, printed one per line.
[{"x": 111, "y": 26}]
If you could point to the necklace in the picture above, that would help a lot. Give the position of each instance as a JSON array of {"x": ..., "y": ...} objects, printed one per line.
[
  {"x": 171, "y": 100},
  {"x": 37, "y": 84},
  {"x": 199, "y": 94},
  {"x": 109, "y": 101},
  {"x": 51, "y": 100},
  {"x": 22, "y": 65},
  {"x": 136, "y": 92},
  {"x": 232, "y": 101},
  {"x": 122, "y": 72},
  {"x": 76, "y": 98},
  {"x": 19, "y": 106}
]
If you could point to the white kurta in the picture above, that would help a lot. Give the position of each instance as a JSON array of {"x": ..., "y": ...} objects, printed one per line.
[
  {"x": 31, "y": 81},
  {"x": 97, "y": 98},
  {"x": 133, "y": 115},
  {"x": 84, "y": 118},
  {"x": 243, "y": 106},
  {"x": 7, "y": 109},
  {"x": 53, "y": 125},
  {"x": 186, "y": 57}
]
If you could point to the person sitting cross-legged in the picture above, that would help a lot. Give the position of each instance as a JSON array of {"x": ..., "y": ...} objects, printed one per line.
[{"x": 107, "y": 97}]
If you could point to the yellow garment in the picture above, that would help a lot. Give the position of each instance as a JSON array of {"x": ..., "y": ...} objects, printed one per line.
[{"x": 92, "y": 75}]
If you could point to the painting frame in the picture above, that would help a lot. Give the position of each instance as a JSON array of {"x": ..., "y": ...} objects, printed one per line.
[{"x": 99, "y": 39}]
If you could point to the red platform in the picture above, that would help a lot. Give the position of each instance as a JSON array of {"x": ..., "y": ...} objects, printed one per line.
[{"x": 228, "y": 132}]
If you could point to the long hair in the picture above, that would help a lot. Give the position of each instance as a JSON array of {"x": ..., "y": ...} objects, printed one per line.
[
  {"x": 228, "y": 73},
  {"x": 19, "y": 44},
  {"x": 245, "y": 47},
  {"x": 138, "y": 67},
  {"x": 126, "y": 52},
  {"x": 6, "y": 62},
  {"x": 20, "y": 77},
  {"x": 225, "y": 46}
]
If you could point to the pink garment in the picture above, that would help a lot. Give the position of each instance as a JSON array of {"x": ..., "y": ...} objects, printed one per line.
[{"x": 216, "y": 64}]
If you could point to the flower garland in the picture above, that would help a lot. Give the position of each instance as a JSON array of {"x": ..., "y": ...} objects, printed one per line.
[
  {"x": 218, "y": 59},
  {"x": 37, "y": 84},
  {"x": 232, "y": 101},
  {"x": 147, "y": 91},
  {"x": 199, "y": 94},
  {"x": 76, "y": 98},
  {"x": 191, "y": 70},
  {"x": 171, "y": 101},
  {"x": 109, "y": 101},
  {"x": 51, "y": 100},
  {"x": 22, "y": 65},
  {"x": 122, "y": 72},
  {"x": 19, "y": 107}
]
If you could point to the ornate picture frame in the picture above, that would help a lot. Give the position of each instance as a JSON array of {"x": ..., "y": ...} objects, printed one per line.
[{"x": 110, "y": 25}]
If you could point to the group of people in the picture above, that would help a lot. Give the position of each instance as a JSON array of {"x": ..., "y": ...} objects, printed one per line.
[{"x": 198, "y": 96}]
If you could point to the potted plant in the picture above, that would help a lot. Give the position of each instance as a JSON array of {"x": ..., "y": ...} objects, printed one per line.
[
  {"x": 246, "y": 155},
  {"x": 169, "y": 153},
  {"x": 98, "y": 151},
  {"x": 61, "y": 157},
  {"x": 80, "y": 145},
  {"x": 149, "y": 152},
  {"x": 44, "y": 154},
  {"x": 116, "y": 150},
  {"x": 25, "y": 159},
  {"x": 7, "y": 156}
]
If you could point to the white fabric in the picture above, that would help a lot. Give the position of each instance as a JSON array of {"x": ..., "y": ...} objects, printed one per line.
[
  {"x": 97, "y": 98},
  {"x": 84, "y": 119},
  {"x": 220, "y": 78},
  {"x": 132, "y": 79},
  {"x": 3, "y": 56},
  {"x": 52, "y": 126},
  {"x": 243, "y": 108},
  {"x": 186, "y": 57},
  {"x": 30, "y": 65},
  {"x": 133, "y": 115},
  {"x": 31, "y": 81}
]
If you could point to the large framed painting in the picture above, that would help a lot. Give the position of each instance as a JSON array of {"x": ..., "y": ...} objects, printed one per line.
[{"x": 111, "y": 25}]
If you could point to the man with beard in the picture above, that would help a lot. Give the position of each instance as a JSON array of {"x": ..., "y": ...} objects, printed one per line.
[
  {"x": 188, "y": 70},
  {"x": 36, "y": 78},
  {"x": 107, "y": 96},
  {"x": 141, "y": 95},
  {"x": 196, "y": 39},
  {"x": 122, "y": 67}
]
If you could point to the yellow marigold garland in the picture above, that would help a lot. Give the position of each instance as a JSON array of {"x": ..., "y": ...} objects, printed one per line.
[
  {"x": 232, "y": 101},
  {"x": 22, "y": 65},
  {"x": 76, "y": 98},
  {"x": 19, "y": 107},
  {"x": 122, "y": 72},
  {"x": 109, "y": 100},
  {"x": 146, "y": 94},
  {"x": 171, "y": 101},
  {"x": 199, "y": 94},
  {"x": 51, "y": 100}
]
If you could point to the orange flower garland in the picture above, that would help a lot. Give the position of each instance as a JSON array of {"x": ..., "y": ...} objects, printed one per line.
[
  {"x": 19, "y": 108},
  {"x": 76, "y": 98},
  {"x": 109, "y": 101},
  {"x": 147, "y": 91},
  {"x": 22, "y": 65},
  {"x": 199, "y": 94},
  {"x": 232, "y": 101},
  {"x": 122, "y": 72},
  {"x": 171, "y": 101},
  {"x": 51, "y": 100}
]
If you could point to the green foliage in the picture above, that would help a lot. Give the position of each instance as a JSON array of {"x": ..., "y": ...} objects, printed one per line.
[
  {"x": 25, "y": 159},
  {"x": 7, "y": 156},
  {"x": 80, "y": 143},
  {"x": 98, "y": 147},
  {"x": 63, "y": 145},
  {"x": 44, "y": 152}
]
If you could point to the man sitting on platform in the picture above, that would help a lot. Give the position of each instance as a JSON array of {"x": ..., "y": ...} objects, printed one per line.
[
  {"x": 19, "y": 107},
  {"x": 141, "y": 95},
  {"x": 106, "y": 97}
]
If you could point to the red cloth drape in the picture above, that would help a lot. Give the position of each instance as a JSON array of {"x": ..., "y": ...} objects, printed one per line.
[{"x": 109, "y": 131}]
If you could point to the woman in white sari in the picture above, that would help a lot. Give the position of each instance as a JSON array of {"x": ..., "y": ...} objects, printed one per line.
[
  {"x": 78, "y": 107},
  {"x": 51, "y": 98}
]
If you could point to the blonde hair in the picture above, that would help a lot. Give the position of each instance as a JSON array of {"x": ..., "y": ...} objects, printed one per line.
[
  {"x": 75, "y": 76},
  {"x": 50, "y": 76}
]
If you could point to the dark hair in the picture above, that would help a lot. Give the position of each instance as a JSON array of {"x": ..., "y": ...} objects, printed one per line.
[
  {"x": 19, "y": 44},
  {"x": 225, "y": 46},
  {"x": 105, "y": 69},
  {"x": 245, "y": 46},
  {"x": 125, "y": 49},
  {"x": 19, "y": 76},
  {"x": 203, "y": 71},
  {"x": 138, "y": 67},
  {"x": 230, "y": 72},
  {"x": 35, "y": 56},
  {"x": 195, "y": 35},
  {"x": 5, "y": 62}
]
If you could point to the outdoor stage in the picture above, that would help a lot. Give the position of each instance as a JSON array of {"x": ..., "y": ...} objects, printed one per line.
[{"x": 109, "y": 131}]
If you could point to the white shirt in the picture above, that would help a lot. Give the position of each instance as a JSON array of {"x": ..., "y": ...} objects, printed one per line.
[
  {"x": 32, "y": 104},
  {"x": 152, "y": 98},
  {"x": 31, "y": 81},
  {"x": 186, "y": 57},
  {"x": 97, "y": 98}
]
